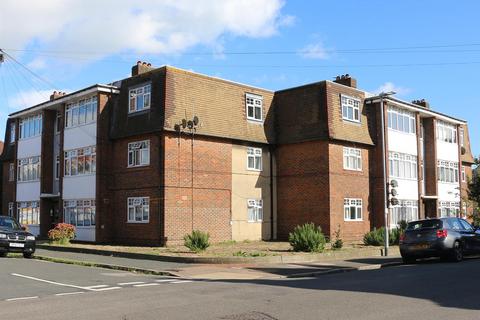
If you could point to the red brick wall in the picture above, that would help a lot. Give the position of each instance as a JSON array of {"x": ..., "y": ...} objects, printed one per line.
[
  {"x": 348, "y": 184},
  {"x": 212, "y": 183},
  {"x": 302, "y": 186}
]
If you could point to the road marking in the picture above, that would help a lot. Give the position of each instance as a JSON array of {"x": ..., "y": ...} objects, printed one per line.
[
  {"x": 69, "y": 293},
  {"x": 181, "y": 281},
  {"x": 129, "y": 283},
  {"x": 97, "y": 287},
  {"x": 146, "y": 285},
  {"x": 106, "y": 289},
  {"x": 52, "y": 282},
  {"x": 23, "y": 298},
  {"x": 165, "y": 280}
]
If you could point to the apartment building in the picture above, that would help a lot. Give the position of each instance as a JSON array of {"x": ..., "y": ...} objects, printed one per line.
[{"x": 150, "y": 158}]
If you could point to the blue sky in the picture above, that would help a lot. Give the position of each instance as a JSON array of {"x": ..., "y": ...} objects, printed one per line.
[{"x": 421, "y": 49}]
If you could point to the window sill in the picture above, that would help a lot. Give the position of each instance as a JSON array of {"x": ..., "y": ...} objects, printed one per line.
[
  {"x": 138, "y": 222},
  {"x": 79, "y": 175},
  {"x": 255, "y": 121},
  {"x": 352, "y": 121},
  {"x": 403, "y": 132},
  {"x": 30, "y": 181},
  {"x": 30, "y": 138},
  {"x": 356, "y": 220},
  {"x": 353, "y": 170},
  {"x": 139, "y": 166},
  {"x": 77, "y": 126},
  {"x": 134, "y": 113},
  {"x": 254, "y": 170},
  {"x": 255, "y": 221}
]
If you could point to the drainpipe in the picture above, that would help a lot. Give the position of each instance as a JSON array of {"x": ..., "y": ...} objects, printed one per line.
[{"x": 271, "y": 194}]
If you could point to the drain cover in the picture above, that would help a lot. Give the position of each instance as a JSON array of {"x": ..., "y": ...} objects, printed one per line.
[{"x": 249, "y": 316}]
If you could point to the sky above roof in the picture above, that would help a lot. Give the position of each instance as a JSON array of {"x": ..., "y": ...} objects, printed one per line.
[{"x": 420, "y": 49}]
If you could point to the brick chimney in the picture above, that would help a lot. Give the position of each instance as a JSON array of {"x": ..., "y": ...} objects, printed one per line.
[
  {"x": 346, "y": 80},
  {"x": 422, "y": 103},
  {"x": 141, "y": 67},
  {"x": 56, "y": 95}
]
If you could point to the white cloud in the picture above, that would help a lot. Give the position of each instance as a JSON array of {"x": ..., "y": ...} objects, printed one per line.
[
  {"x": 315, "y": 51},
  {"x": 101, "y": 28},
  {"x": 37, "y": 64},
  {"x": 390, "y": 86},
  {"x": 26, "y": 99}
]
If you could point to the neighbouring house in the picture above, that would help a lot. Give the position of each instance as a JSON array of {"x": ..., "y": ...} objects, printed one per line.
[{"x": 150, "y": 158}]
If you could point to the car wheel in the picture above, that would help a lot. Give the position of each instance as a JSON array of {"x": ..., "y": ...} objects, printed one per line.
[
  {"x": 27, "y": 255},
  {"x": 457, "y": 252},
  {"x": 3, "y": 254},
  {"x": 408, "y": 259}
]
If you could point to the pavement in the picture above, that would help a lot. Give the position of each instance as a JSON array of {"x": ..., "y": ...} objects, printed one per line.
[
  {"x": 224, "y": 271},
  {"x": 40, "y": 290}
]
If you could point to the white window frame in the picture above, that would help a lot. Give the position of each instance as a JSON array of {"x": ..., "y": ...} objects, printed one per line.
[
  {"x": 401, "y": 120},
  {"x": 73, "y": 158},
  {"x": 462, "y": 137},
  {"x": 254, "y": 102},
  {"x": 29, "y": 169},
  {"x": 10, "y": 209},
  {"x": 83, "y": 210},
  {"x": 255, "y": 210},
  {"x": 30, "y": 127},
  {"x": 449, "y": 209},
  {"x": 448, "y": 172},
  {"x": 81, "y": 112},
  {"x": 28, "y": 213},
  {"x": 352, "y": 159},
  {"x": 11, "y": 172},
  {"x": 12, "y": 132},
  {"x": 464, "y": 174},
  {"x": 348, "y": 103},
  {"x": 402, "y": 166},
  {"x": 57, "y": 168},
  {"x": 406, "y": 210},
  {"x": 254, "y": 155},
  {"x": 446, "y": 132},
  {"x": 138, "y": 203},
  {"x": 145, "y": 92},
  {"x": 138, "y": 150},
  {"x": 352, "y": 203}
]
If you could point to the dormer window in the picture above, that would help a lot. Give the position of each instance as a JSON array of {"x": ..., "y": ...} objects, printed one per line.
[
  {"x": 350, "y": 108},
  {"x": 254, "y": 106},
  {"x": 139, "y": 98}
]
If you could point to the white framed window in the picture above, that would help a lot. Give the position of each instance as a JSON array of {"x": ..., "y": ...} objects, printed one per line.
[
  {"x": 29, "y": 169},
  {"x": 255, "y": 210},
  {"x": 30, "y": 126},
  {"x": 80, "y": 213},
  {"x": 79, "y": 162},
  {"x": 254, "y": 106},
  {"x": 352, "y": 209},
  {"x": 402, "y": 165},
  {"x": 28, "y": 213},
  {"x": 12, "y": 132},
  {"x": 138, "y": 210},
  {"x": 10, "y": 209},
  {"x": 406, "y": 210},
  {"x": 447, "y": 171},
  {"x": 58, "y": 122},
  {"x": 446, "y": 132},
  {"x": 464, "y": 174},
  {"x": 11, "y": 172},
  {"x": 350, "y": 108},
  {"x": 254, "y": 159},
  {"x": 352, "y": 159},
  {"x": 57, "y": 167},
  {"x": 448, "y": 209},
  {"x": 401, "y": 120},
  {"x": 139, "y": 98},
  {"x": 461, "y": 133},
  {"x": 139, "y": 153},
  {"x": 81, "y": 112}
]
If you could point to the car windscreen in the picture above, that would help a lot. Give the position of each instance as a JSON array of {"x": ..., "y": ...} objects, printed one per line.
[
  {"x": 425, "y": 224},
  {"x": 9, "y": 223}
]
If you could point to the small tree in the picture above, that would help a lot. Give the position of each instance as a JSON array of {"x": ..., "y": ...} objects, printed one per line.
[
  {"x": 307, "y": 238},
  {"x": 474, "y": 195}
]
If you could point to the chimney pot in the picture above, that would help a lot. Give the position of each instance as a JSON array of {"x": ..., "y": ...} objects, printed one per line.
[
  {"x": 422, "y": 103},
  {"x": 141, "y": 67},
  {"x": 346, "y": 80}
]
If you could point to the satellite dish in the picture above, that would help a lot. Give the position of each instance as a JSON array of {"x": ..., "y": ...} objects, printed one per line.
[
  {"x": 190, "y": 124},
  {"x": 394, "y": 183},
  {"x": 184, "y": 123},
  {"x": 195, "y": 120},
  {"x": 394, "y": 192}
]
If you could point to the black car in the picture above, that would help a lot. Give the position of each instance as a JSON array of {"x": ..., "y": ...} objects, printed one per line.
[
  {"x": 13, "y": 238},
  {"x": 447, "y": 238}
]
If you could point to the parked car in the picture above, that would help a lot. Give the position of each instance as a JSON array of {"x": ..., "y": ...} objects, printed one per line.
[
  {"x": 447, "y": 238},
  {"x": 14, "y": 238}
]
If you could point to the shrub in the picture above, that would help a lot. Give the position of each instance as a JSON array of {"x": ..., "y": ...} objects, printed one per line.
[
  {"x": 62, "y": 233},
  {"x": 338, "y": 242},
  {"x": 197, "y": 241},
  {"x": 307, "y": 238},
  {"x": 376, "y": 237}
]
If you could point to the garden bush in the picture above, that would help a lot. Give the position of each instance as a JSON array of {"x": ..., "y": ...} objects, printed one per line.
[
  {"x": 197, "y": 241},
  {"x": 307, "y": 238},
  {"x": 338, "y": 242},
  {"x": 62, "y": 233},
  {"x": 376, "y": 237}
]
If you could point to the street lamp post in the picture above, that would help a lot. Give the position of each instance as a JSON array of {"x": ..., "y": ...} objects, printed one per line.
[{"x": 382, "y": 95}]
